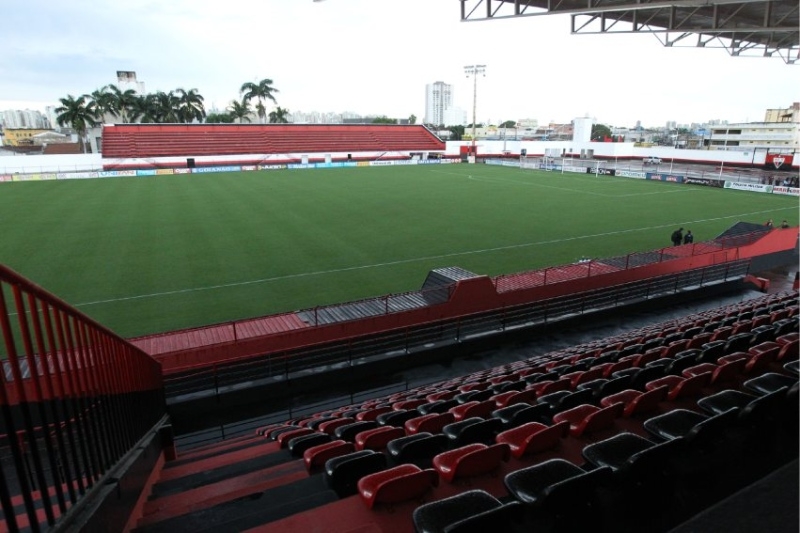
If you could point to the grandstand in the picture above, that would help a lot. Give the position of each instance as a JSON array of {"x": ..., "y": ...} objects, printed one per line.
[{"x": 140, "y": 146}]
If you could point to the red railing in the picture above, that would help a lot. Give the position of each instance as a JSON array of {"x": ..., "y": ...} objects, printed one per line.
[
  {"x": 75, "y": 398},
  {"x": 590, "y": 267}
]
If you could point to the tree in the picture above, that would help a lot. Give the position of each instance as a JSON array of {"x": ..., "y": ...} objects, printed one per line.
[
  {"x": 383, "y": 119},
  {"x": 279, "y": 116},
  {"x": 412, "y": 119},
  {"x": 165, "y": 106},
  {"x": 457, "y": 132},
  {"x": 189, "y": 105},
  {"x": 104, "y": 103},
  {"x": 142, "y": 109},
  {"x": 509, "y": 124},
  {"x": 124, "y": 101},
  {"x": 239, "y": 110},
  {"x": 79, "y": 113},
  {"x": 220, "y": 118},
  {"x": 263, "y": 90},
  {"x": 600, "y": 132}
]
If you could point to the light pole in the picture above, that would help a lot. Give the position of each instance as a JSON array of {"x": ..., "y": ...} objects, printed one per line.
[{"x": 474, "y": 70}]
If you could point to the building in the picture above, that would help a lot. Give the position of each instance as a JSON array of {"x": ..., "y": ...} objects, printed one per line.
[
  {"x": 790, "y": 114},
  {"x": 453, "y": 116},
  {"x": 438, "y": 98},
  {"x": 21, "y": 119},
  {"x": 21, "y": 136},
  {"x": 780, "y": 132},
  {"x": 126, "y": 79}
]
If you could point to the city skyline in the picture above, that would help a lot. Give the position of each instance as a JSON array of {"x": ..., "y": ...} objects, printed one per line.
[{"x": 375, "y": 62}]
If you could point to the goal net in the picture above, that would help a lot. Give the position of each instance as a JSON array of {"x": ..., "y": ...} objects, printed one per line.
[{"x": 538, "y": 162}]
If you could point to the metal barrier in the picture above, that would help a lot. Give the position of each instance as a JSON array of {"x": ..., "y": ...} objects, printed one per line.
[
  {"x": 284, "y": 365},
  {"x": 75, "y": 398}
]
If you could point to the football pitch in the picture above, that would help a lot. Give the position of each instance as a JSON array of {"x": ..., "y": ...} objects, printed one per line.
[{"x": 152, "y": 254}]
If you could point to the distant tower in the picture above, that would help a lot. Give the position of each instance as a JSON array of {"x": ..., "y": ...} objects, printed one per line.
[
  {"x": 582, "y": 129},
  {"x": 438, "y": 98},
  {"x": 126, "y": 79}
]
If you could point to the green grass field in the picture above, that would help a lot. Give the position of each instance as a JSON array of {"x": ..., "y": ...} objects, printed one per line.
[{"x": 145, "y": 255}]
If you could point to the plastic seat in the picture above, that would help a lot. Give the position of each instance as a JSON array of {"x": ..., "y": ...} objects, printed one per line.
[
  {"x": 473, "y": 409},
  {"x": 330, "y": 426},
  {"x": 473, "y": 396},
  {"x": 482, "y": 431},
  {"x": 769, "y": 382},
  {"x": 396, "y": 418},
  {"x": 725, "y": 400},
  {"x": 372, "y": 414},
  {"x": 470, "y": 461},
  {"x": 711, "y": 351},
  {"x": 689, "y": 425},
  {"x": 377, "y": 438},
  {"x": 274, "y": 433},
  {"x": 533, "y": 437},
  {"x": 680, "y": 387},
  {"x": 514, "y": 397},
  {"x": 430, "y": 423},
  {"x": 790, "y": 350},
  {"x": 418, "y": 449},
  {"x": 298, "y": 445},
  {"x": 636, "y": 402},
  {"x": 792, "y": 367},
  {"x": 342, "y": 473},
  {"x": 348, "y": 432},
  {"x": 738, "y": 342},
  {"x": 440, "y": 406},
  {"x": 316, "y": 456},
  {"x": 437, "y": 516},
  {"x": 506, "y": 414},
  {"x": 284, "y": 437},
  {"x": 395, "y": 485},
  {"x": 588, "y": 418},
  {"x": 528, "y": 485},
  {"x": 405, "y": 405}
]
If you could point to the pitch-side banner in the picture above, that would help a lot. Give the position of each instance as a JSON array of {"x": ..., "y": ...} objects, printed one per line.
[
  {"x": 792, "y": 191},
  {"x": 753, "y": 187}
]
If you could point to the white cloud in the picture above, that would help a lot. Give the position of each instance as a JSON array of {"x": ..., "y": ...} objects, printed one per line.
[{"x": 376, "y": 57}]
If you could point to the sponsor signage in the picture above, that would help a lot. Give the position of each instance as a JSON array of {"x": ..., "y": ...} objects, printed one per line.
[
  {"x": 5, "y": 177},
  {"x": 631, "y": 174},
  {"x": 793, "y": 191},
  {"x": 754, "y": 187},
  {"x": 109, "y": 174},
  {"x": 247, "y": 168},
  {"x": 380, "y": 163},
  {"x": 271, "y": 167},
  {"x": 298, "y": 165},
  {"x": 77, "y": 175},
  {"x": 182, "y": 170},
  {"x": 146, "y": 172},
  {"x": 579, "y": 170},
  {"x": 202, "y": 170},
  {"x": 350, "y": 164},
  {"x": 601, "y": 171},
  {"x": 699, "y": 181},
  {"x": 363, "y": 163},
  {"x": 438, "y": 161},
  {"x": 672, "y": 178},
  {"x": 778, "y": 161},
  {"x": 165, "y": 172}
]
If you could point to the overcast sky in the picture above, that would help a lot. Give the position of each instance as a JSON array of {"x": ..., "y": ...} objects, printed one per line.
[{"x": 375, "y": 57}]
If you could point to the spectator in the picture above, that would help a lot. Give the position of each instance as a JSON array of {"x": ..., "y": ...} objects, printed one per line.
[
  {"x": 688, "y": 238},
  {"x": 677, "y": 237},
  {"x": 769, "y": 224},
  {"x": 785, "y": 224}
]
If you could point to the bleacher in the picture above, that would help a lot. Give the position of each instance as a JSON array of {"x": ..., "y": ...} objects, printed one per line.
[
  {"x": 181, "y": 140},
  {"x": 636, "y": 432}
]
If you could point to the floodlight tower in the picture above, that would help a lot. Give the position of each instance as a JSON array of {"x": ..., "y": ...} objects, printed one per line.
[{"x": 474, "y": 71}]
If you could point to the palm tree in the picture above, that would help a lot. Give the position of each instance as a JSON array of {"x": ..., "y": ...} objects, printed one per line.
[
  {"x": 279, "y": 116},
  {"x": 240, "y": 110},
  {"x": 79, "y": 113},
  {"x": 142, "y": 109},
  {"x": 124, "y": 101},
  {"x": 190, "y": 105},
  {"x": 261, "y": 91},
  {"x": 165, "y": 106},
  {"x": 104, "y": 103}
]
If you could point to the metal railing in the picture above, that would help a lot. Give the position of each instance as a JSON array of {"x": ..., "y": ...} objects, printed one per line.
[
  {"x": 285, "y": 365},
  {"x": 75, "y": 398}
]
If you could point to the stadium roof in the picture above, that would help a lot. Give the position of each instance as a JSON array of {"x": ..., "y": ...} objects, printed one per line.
[{"x": 769, "y": 28}]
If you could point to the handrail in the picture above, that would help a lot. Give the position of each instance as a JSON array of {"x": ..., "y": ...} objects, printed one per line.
[{"x": 75, "y": 395}]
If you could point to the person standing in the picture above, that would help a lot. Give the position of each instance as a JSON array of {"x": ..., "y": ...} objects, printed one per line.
[
  {"x": 677, "y": 237},
  {"x": 688, "y": 238}
]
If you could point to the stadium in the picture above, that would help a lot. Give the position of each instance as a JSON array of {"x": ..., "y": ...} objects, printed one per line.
[{"x": 362, "y": 327}]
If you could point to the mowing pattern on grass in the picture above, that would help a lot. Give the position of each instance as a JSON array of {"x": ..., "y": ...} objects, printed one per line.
[{"x": 150, "y": 254}]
